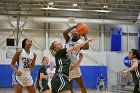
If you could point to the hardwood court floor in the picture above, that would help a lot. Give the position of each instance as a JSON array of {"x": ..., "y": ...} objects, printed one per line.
[{"x": 6, "y": 90}]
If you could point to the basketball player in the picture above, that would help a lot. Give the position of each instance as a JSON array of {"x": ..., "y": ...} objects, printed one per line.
[
  {"x": 71, "y": 41},
  {"x": 134, "y": 56},
  {"x": 26, "y": 61},
  {"x": 60, "y": 79},
  {"x": 51, "y": 72},
  {"x": 42, "y": 83}
]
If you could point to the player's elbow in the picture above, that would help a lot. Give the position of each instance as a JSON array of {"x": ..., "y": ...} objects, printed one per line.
[
  {"x": 135, "y": 66},
  {"x": 65, "y": 32},
  {"x": 85, "y": 47}
]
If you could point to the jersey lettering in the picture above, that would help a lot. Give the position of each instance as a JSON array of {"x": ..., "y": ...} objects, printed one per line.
[{"x": 24, "y": 60}]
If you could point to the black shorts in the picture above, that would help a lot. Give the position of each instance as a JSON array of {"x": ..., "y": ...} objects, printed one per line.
[
  {"x": 43, "y": 88},
  {"x": 59, "y": 83}
]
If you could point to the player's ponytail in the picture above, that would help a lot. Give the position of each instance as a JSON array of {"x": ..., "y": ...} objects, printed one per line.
[{"x": 52, "y": 51}]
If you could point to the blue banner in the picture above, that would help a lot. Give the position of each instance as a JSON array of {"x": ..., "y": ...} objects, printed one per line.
[
  {"x": 116, "y": 39},
  {"x": 127, "y": 61},
  {"x": 139, "y": 39}
]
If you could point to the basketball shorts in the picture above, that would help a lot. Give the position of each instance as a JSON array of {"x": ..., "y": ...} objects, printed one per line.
[
  {"x": 24, "y": 81},
  {"x": 59, "y": 83},
  {"x": 43, "y": 88}
]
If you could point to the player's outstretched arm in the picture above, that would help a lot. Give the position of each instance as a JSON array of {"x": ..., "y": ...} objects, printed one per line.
[{"x": 77, "y": 46}]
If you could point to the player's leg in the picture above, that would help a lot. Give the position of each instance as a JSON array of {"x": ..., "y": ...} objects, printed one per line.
[
  {"x": 71, "y": 85},
  {"x": 136, "y": 86},
  {"x": 31, "y": 89},
  {"x": 29, "y": 84},
  {"x": 46, "y": 91},
  {"x": 66, "y": 91},
  {"x": 16, "y": 82},
  {"x": 17, "y": 88},
  {"x": 80, "y": 83}
]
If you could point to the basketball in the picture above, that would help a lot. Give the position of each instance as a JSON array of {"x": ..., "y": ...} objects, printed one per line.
[{"x": 82, "y": 29}]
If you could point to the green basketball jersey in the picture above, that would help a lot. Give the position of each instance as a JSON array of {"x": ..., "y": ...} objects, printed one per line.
[
  {"x": 44, "y": 81},
  {"x": 62, "y": 62}
]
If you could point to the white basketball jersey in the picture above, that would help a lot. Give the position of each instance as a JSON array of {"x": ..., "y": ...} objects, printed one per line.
[
  {"x": 70, "y": 43},
  {"x": 50, "y": 73},
  {"x": 73, "y": 56},
  {"x": 23, "y": 63}
]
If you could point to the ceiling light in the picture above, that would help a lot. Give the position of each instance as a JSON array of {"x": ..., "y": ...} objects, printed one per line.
[
  {"x": 74, "y": 5},
  {"x": 105, "y": 7},
  {"x": 49, "y": 8},
  {"x": 50, "y": 5},
  {"x": 105, "y": 11},
  {"x": 73, "y": 9}
]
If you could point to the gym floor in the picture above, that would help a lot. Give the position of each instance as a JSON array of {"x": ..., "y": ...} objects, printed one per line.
[{"x": 5, "y": 90}]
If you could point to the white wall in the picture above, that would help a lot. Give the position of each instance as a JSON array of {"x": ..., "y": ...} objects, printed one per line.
[
  {"x": 38, "y": 35},
  {"x": 125, "y": 28},
  {"x": 114, "y": 65}
]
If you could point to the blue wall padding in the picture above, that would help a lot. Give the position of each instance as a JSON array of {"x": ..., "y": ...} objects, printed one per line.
[
  {"x": 116, "y": 39},
  {"x": 89, "y": 73},
  {"x": 5, "y": 76},
  {"x": 138, "y": 39}
]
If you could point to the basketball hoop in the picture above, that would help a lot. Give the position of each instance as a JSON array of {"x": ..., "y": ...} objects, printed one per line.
[
  {"x": 71, "y": 21},
  {"x": 11, "y": 50}
]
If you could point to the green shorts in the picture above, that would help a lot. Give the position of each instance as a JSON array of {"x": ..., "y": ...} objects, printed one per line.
[
  {"x": 59, "y": 83},
  {"x": 43, "y": 86}
]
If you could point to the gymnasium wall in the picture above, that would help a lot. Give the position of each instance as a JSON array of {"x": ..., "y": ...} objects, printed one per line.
[
  {"x": 114, "y": 65},
  {"x": 95, "y": 61},
  {"x": 108, "y": 63},
  {"x": 42, "y": 38}
]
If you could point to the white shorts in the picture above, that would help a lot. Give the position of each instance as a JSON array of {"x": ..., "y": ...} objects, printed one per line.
[
  {"x": 24, "y": 81},
  {"x": 75, "y": 73},
  {"x": 49, "y": 84}
]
